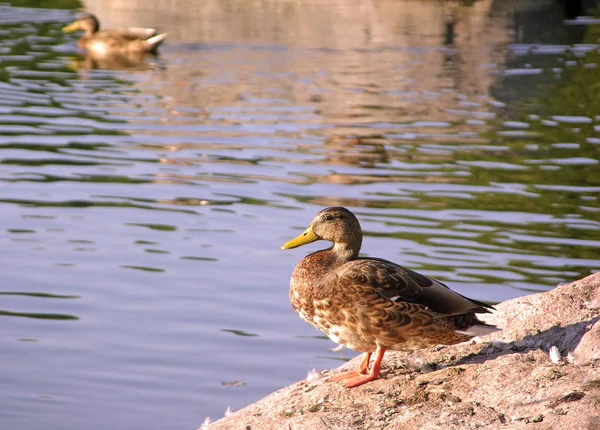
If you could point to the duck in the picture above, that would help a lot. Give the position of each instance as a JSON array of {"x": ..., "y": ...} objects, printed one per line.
[
  {"x": 123, "y": 41},
  {"x": 372, "y": 305}
]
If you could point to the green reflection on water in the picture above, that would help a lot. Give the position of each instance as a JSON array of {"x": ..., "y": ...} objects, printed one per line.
[
  {"x": 198, "y": 258},
  {"x": 35, "y": 315},
  {"x": 23, "y": 162},
  {"x": 160, "y": 227},
  {"x": 87, "y": 204},
  {"x": 43, "y": 295},
  {"x": 105, "y": 179},
  {"x": 145, "y": 269},
  {"x": 240, "y": 332},
  {"x": 157, "y": 251},
  {"x": 50, "y": 4},
  {"x": 20, "y": 231}
]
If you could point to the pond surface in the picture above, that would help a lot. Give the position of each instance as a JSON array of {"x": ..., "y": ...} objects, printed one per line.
[{"x": 142, "y": 208}]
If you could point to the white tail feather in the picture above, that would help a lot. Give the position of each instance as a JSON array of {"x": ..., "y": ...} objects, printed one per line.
[
  {"x": 154, "y": 41},
  {"x": 479, "y": 330}
]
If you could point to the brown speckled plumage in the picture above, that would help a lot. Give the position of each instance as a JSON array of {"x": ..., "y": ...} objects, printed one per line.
[{"x": 370, "y": 304}]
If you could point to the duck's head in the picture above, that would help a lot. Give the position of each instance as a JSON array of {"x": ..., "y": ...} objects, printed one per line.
[
  {"x": 87, "y": 23},
  {"x": 334, "y": 224}
]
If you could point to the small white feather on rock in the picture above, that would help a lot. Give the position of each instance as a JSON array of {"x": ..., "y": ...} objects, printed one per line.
[
  {"x": 312, "y": 375},
  {"x": 228, "y": 411},
  {"x": 554, "y": 354},
  {"x": 205, "y": 424}
]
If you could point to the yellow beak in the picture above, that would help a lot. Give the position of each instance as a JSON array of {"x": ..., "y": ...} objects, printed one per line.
[
  {"x": 71, "y": 27},
  {"x": 307, "y": 237}
]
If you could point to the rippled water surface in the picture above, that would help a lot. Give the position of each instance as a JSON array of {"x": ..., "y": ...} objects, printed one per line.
[{"x": 143, "y": 204}]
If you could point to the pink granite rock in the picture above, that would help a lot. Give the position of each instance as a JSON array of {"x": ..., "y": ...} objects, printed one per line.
[{"x": 506, "y": 380}]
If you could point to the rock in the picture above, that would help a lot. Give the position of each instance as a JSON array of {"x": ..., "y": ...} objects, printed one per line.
[{"x": 506, "y": 380}]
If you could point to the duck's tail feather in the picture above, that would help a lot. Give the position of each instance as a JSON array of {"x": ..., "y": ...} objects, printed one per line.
[{"x": 153, "y": 42}]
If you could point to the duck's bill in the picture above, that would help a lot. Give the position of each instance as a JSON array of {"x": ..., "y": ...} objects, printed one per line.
[
  {"x": 71, "y": 27},
  {"x": 307, "y": 237}
]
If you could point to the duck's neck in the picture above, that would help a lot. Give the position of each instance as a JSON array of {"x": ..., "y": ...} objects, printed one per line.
[
  {"x": 345, "y": 251},
  {"x": 316, "y": 265}
]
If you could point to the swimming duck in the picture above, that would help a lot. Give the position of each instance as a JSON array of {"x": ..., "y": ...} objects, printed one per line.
[
  {"x": 115, "y": 41},
  {"x": 372, "y": 305}
]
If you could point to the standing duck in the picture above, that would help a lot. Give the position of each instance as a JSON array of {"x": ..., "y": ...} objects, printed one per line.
[
  {"x": 118, "y": 41},
  {"x": 372, "y": 305}
]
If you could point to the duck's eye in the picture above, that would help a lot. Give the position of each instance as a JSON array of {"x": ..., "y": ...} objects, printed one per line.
[{"x": 328, "y": 218}]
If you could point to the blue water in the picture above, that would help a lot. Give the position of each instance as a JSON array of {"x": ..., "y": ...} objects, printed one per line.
[{"x": 143, "y": 205}]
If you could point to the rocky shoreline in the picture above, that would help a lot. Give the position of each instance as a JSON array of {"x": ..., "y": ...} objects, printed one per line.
[{"x": 541, "y": 372}]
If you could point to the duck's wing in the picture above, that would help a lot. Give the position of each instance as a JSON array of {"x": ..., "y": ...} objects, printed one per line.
[
  {"x": 130, "y": 40},
  {"x": 399, "y": 284},
  {"x": 133, "y": 33}
]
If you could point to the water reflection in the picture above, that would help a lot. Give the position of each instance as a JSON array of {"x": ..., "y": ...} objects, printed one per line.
[
  {"x": 43, "y": 295},
  {"x": 135, "y": 62},
  {"x": 150, "y": 203},
  {"x": 44, "y": 316}
]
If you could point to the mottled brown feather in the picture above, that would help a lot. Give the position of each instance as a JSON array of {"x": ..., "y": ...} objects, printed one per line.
[{"x": 365, "y": 303}]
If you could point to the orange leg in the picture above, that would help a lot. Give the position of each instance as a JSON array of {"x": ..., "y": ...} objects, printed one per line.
[
  {"x": 364, "y": 364},
  {"x": 375, "y": 370},
  {"x": 363, "y": 368}
]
